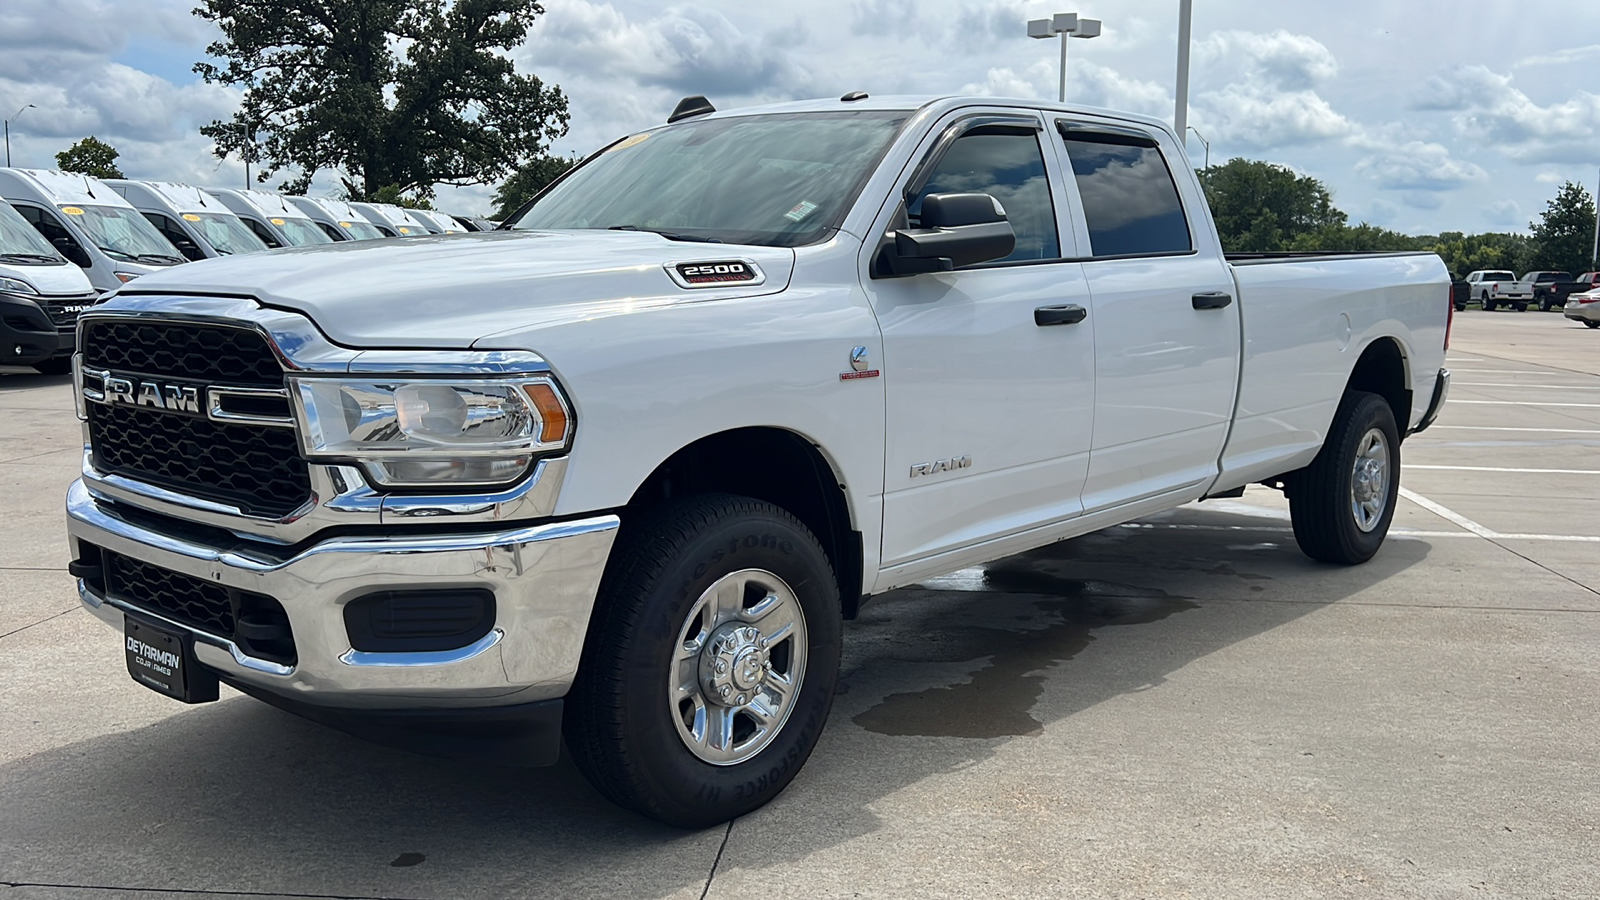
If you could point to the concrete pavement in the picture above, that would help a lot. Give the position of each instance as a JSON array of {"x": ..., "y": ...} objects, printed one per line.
[{"x": 1182, "y": 707}]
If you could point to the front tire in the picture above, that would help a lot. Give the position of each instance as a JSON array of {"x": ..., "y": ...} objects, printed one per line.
[
  {"x": 711, "y": 660},
  {"x": 1341, "y": 505}
]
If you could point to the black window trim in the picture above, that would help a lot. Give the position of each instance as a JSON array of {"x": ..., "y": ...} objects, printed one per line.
[{"x": 1124, "y": 136}]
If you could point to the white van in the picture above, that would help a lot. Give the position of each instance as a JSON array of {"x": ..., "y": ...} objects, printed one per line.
[
  {"x": 395, "y": 220},
  {"x": 337, "y": 219},
  {"x": 89, "y": 223},
  {"x": 276, "y": 221},
  {"x": 438, "y": 222},
  {"x": 41, "y": 295},
  {"x": 193, "y": 220}
]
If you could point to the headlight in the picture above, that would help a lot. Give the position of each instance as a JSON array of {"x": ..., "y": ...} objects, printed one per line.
[
  {"x": 17, "y": 286},
  {"x": 426, "y": 433},
  {"x": 126, "y": 277}
]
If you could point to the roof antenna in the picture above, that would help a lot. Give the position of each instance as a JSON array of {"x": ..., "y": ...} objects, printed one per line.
[
  {"x": 689, "y": 107},
  {"x": 87, "y": 189}
]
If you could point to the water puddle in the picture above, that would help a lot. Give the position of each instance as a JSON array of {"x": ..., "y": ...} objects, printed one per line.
[{"x": 1053, "y": 624}]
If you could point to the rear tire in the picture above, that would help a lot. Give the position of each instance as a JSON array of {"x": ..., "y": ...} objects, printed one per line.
[
  {"x": 60, "y": 365},
  {"x": 1520, "y": 307},
  {"x": 711, "y": 660},
  {"x": 1592, "y": 323},
  {"x": 1488, "y": 305},
  {"x": 1341, "y": 505}
]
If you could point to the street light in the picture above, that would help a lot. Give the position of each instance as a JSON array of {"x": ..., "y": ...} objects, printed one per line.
[
  {"x": 1205, "y": 143},
  {"x": 1180, "y": 113},
  {"x": 8, "y": 131},
  {"x": 1066, "y": 25}
]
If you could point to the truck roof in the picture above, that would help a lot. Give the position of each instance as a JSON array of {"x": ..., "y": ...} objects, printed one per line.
[
  {"x": 67, "y": 188},
  {"x": 263, "y": 203},
  {"x": 179, "y": 197},
  {"x": 935, "y": 105}
]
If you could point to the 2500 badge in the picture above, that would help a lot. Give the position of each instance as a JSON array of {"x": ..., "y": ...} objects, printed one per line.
[{"x": 708, "y": 274}]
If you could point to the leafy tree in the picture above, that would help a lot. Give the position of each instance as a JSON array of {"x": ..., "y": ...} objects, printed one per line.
[
  {"x": 1464, "y": 253},
  {"x": 1363, "y": 238},
  {"x": 402, "y": 93},
  {"x": 528, "y": 180},
  {"x": 1564, "y": 234},
  {"x": 90, "y": 156},
  {"x": 1261, "y": 207}
]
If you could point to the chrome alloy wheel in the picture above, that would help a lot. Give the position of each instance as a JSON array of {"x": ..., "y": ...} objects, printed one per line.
[
  {"x": 738, "y": 666},
  {"x": 1369, "y": 480}
]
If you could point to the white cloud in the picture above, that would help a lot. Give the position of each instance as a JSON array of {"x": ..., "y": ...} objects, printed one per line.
[
  {"x": 1281, "y": 60},
  {"x": 1504, "y": 214},
  {"x": 1418, "y": 166},
  {"x": 1489, "y": 111},
  {"x": 1258, "y": 90}
]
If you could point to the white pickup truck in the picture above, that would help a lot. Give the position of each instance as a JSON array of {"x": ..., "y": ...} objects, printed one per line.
[
  {"x": 1495, "y": 288},
  {"x": 621, "y": 470}
]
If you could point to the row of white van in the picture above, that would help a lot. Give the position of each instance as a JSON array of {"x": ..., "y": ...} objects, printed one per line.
[{"x": 115, "y": 230}]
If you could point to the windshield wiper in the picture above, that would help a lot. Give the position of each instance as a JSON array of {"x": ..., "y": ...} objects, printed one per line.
[
  {"x": 669, "y": 235},
  {"x": 160, "y": 257},
  {"x": 110, "y": 252},
  {"x": 22, "y": 256}
]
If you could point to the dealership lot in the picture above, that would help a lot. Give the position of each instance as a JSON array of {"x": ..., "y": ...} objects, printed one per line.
[{"x": 1184, "y": 706}]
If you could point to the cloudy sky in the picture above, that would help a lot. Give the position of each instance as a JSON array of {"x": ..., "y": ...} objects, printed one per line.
[{"x": 1421, "y": 116}]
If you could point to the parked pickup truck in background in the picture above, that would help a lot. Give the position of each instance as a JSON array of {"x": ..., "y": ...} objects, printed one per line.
[
  {"x": 623, "y": 470},
  {"x": 1550, "y": 289},
  {"x": 1495, "y": 288}
]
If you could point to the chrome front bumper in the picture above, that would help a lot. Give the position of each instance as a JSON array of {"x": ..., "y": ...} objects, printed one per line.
[{"x": 544, "y": 579}]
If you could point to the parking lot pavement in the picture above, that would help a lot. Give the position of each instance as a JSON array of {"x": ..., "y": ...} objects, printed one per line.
[{"x": 1181, "y": 707}]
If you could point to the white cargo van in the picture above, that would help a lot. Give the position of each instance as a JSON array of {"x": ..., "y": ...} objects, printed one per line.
[
  {"x": 193, "y": 220},
  {"x": 337, "y": 219},
  {"x": 396, "y": 221},
  {"x": 276, "y": 221},
  {"x": 41, "y": 295},
  {"x": 89, "y": 223},
  {"x": 438, "y": 222}
]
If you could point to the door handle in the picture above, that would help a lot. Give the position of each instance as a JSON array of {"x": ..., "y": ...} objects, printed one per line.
[
  {"x": 1211, "y": 300},
  {"x": 1070, "y": 314}
]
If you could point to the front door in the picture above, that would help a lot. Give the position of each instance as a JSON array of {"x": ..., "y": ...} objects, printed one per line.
[{"x": 988, "y": 411}]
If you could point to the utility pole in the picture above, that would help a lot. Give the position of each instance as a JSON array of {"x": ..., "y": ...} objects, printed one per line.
[
  {"x": 1180, "y": 115},
  {"x": 8, "y": 131},
  {"x": 1596, "y": 260}
]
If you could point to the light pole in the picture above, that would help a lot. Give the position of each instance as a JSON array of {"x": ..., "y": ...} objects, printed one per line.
[
  {"x": 1203, "y": 142},
  {"x": 1180, "y": 114},
  {"x": 1066, "y": 25},
  {"x": 8, "y": 131}
]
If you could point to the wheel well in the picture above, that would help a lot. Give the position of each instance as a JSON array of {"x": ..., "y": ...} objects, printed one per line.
[
  {"x": 1382, "y": 370},
  {"x": 777, "y": 466}
]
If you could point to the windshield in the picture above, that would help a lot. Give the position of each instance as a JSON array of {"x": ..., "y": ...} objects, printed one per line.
[
  {"x": 225, "y": 233},
  {"x": 122, "y": 232},
  {"x": 776, "y": 180},
  {"x": 360, "y": 231},
  {"x": 300, "y": 232},
  {"x": 20, "y": 242}
]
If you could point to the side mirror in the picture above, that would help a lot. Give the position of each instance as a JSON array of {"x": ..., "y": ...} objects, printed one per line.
[
  {"x": 957, "y": 230},
  {"x": 74, "y": 253}
]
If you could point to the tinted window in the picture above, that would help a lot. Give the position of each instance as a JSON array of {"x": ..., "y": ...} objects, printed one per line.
[
  {"x": 1009, "y": 166},
  {"x": 1129, "y": 199}
]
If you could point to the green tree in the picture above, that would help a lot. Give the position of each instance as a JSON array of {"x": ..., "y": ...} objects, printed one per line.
[
  {"x": 1359, "y": 238},
  {"x": 1564, "y": 234},
  {"x": 90, "y": 156},
  {"x": 1261, "y": 207},
  {"x": 1464, "y": 253},
  {"x": 403, "y": 93},
  {"x": 527, "y": 181}
]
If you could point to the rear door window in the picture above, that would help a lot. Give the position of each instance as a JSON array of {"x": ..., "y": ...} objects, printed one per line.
[{"x": 1130, "y": 202}]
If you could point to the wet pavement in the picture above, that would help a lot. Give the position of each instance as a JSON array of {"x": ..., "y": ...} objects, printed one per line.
[{"x": 1181, "y": 707}]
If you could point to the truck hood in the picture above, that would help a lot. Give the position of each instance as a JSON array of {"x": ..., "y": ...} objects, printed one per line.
[{"x": 449, "y": 290}]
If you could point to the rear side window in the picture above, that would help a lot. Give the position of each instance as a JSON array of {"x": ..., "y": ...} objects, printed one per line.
[{"x": 1130, "y": 201}]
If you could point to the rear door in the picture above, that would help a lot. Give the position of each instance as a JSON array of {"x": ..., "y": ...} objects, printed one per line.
[
  {"x": 1167, "y": 323},
  {"x": 988, "y": 410}
]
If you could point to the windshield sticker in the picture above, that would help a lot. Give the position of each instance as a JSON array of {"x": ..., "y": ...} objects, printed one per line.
[
  {"x": 404, "y": 230},
  {"x": 276, "y": 221},
  {"x": 801, "y": 210},
  {"x": 345, "y": 224},
  {"x": 72, "y": 210},
  {"x": 629, "y": 142},
  {"x": 191, "y": 217}
]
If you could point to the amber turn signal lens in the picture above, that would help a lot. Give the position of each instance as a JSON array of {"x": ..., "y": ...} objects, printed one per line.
[{"x": 552, "y": 415}]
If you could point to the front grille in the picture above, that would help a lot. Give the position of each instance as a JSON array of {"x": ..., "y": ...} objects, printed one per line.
[
  {"x": 256, "y": 468},
  {"x": 209, "y": 353},
  {"x": 63, "y": 313}
]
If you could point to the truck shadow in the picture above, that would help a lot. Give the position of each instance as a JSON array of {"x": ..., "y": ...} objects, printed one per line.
[{"x": 240, "y": 797}]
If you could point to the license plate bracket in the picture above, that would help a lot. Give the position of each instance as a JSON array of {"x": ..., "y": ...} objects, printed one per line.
[{"x": 162, "y": 659}]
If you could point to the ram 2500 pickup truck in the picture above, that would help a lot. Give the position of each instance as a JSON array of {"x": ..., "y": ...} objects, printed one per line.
[{"x": 621, "y": 470}]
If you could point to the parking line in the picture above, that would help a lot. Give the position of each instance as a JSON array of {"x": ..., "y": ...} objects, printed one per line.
[
  {"x": 1397, "y": 532},
  {"x": 1451, "y": 515},
  {"x": 1542, "y": 387},
  {"x": 1510, "y": 372},
  {"x": 1508, "y": 428},
  {"x": 1506, "y": 469},
  {"x": 1454, "y": 401}
]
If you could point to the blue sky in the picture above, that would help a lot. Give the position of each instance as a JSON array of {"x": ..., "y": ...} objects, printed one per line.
[{"x": 1397, "y": 107}]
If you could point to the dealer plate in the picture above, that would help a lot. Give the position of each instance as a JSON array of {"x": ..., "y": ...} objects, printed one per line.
[{"x": 162, "y": 659}]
